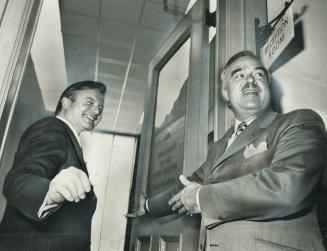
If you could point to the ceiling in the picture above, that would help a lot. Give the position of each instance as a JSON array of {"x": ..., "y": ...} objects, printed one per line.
[{"x": 113, "y": 41}]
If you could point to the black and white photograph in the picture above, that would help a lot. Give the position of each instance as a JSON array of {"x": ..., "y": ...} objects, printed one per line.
[{"x": 163, "y": 125}]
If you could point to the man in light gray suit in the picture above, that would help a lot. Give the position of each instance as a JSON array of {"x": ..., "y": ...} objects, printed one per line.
[{"x": 256, "y": 189}]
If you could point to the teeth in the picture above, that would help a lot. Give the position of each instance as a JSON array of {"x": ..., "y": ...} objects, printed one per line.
[
  {"x": 90, "y": 118},
  {"x": 250, "y": 92}
]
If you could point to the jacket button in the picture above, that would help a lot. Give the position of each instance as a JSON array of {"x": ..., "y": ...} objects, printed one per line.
[{"x": 201, "y": 246}]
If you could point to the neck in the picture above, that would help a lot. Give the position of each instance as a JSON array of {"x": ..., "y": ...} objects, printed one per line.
[
  {"x": 247, "y": 118},
  {"x": 69, "y": 122}
]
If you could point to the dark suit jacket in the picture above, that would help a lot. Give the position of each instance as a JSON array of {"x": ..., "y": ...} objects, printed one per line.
[
  {"x": 259, "y": 193},
  {"x": 47, "y": 147}
]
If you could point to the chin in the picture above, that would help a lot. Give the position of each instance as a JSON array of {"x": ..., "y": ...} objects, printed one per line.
[{"x": 88, "y": 128}]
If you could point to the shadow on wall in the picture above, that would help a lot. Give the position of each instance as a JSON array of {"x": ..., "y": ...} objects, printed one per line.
[{"x": 276, "y": 96}]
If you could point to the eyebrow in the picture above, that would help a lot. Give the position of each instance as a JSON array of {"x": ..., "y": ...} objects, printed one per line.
[
  {"x": 90, "y": 98},
  {"x": 260, "y": 68},
  {"x": 235, "y": 71}
]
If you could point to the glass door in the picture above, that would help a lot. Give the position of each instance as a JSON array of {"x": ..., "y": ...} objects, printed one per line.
[{"x": 174, "y": 136}]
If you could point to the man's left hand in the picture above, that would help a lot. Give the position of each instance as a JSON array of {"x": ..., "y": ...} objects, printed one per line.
[
  {"x": 141, "y": 207},
  {"x": 185, "y": 200}
]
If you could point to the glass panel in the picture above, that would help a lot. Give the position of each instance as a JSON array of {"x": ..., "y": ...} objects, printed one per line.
[
  {"x": 169, "y": 244},
  {"x": 211, "y": 91},
  {"x": 166, "y": 160},
  {"x": 212, "y": 30},
  {"x": 143, "y": 243}
]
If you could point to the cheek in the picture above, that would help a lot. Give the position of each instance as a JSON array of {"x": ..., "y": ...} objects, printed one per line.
[
  {"x": 266, "y": 94},
  {"x": 233, "y": 91}
]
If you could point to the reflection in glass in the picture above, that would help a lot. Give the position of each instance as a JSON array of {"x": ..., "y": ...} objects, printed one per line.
[
  {"x": 167, "y": 149},
  {"x": 169, "y": 243}
]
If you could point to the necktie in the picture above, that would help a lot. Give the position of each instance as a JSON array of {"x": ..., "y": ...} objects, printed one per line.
[{"x": 241, "y": 127}]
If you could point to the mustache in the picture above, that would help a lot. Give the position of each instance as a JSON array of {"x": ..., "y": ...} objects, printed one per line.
[{"x": 251, "y": 87}]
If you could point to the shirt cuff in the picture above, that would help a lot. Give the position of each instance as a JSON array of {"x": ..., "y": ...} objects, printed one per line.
[
  {"x": 197, "y": 198},
  {"x": 45, "y": 208},
  {"x": 146, "y": 205}
]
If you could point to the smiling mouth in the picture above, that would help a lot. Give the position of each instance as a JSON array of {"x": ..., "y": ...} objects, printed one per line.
[
  {"x": 90, "y": 118},
  {"x": 250, "y": 92}
]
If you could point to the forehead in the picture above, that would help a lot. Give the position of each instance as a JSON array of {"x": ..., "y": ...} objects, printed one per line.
[
  {"x": 94, "y": 94},
  {"x": 244, "y": 63}
]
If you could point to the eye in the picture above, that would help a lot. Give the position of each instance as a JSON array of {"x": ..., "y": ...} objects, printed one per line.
[
  {"x": 238, "y": 76},
  {"x": 259, "y": 74},
  {"x": 89, "y": 102}
]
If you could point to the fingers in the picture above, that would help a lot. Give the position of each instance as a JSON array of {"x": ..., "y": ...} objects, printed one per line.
[
  {"x": 67, "y": 193},
  {"x": 54, "y": 198},
  {"x": 80, "y": 183},
  {"x": 177, "y": 205},
  {"x": 184, "y": 180},
  {"x": 175, "y": 202},
  {"x": 70, "y": 183},
  {"x": 174, "y": 199},
  {"x": 182, "y": 210},
  {"x": 85, "y": 181},
  {"x": 76, "y": 188},
  {"x": 136, "y": 214}
]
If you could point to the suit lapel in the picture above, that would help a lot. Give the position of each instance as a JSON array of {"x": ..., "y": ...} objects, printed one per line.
[
  {"x": 248, "y": 136},
  {"x": 77, "y": 147},
  {"x": 221, "y": 145}
]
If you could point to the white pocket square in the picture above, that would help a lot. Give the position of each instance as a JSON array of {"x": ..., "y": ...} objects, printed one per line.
[{"x": 251, "y": 150}]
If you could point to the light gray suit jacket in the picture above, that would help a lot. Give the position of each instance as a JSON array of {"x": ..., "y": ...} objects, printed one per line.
[{"x": 258, "y": 194}]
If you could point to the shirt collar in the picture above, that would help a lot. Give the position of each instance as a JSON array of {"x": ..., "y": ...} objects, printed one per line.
[
  {"x": 237, "y": 122},
  {"x": 71, "y": 128}
]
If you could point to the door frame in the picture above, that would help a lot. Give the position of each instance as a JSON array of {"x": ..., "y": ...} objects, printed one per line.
[
  {"x": 19, "y": 21},
  {"x": 193, "y": 26}
]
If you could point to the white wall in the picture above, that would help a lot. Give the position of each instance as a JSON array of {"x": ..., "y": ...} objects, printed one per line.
[
  {"x": 110, "y": 161},
  {"x": 48, "y": 54},
  {"x": 302, "y": 81}
]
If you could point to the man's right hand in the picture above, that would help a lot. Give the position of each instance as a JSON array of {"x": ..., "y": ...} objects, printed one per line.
[{"x": 70, "y": 184}]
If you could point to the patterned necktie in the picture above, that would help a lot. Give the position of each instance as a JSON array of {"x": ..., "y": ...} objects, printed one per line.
[{"x": 241, "y": 127}]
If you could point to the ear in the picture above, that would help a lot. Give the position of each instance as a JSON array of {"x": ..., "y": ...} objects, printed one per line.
[
  {"x": 65, "y": 102},
  {"x": 224, "y": 92}
]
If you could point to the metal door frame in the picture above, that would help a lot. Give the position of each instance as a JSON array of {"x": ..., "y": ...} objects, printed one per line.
[{"x": 193, "y": 25}]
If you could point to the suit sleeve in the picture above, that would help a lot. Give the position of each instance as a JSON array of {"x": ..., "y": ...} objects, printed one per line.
[
  {"x": 278, "y": 190},
  {"x": 41, "y": 153}
]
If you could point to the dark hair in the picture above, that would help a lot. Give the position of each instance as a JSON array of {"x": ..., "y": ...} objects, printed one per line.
[
  {"x": 79, "y": 86},
  {"x": 245, "y": 53},
  {"x": 238, "y": 55}
]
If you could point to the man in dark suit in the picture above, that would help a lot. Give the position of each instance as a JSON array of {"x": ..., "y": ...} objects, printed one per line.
[
  {"x": 255, "y": 190},
  {"x": 50, "y": 200}
]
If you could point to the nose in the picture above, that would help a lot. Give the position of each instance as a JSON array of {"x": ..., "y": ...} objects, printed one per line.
[
  {"x": 250, "y": 79},
  {"x": 97, "y": 110}
]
